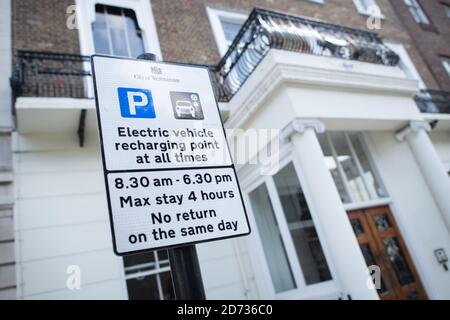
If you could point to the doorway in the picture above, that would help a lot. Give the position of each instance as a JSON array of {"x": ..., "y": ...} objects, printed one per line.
[{"x": 382, "y": 245}]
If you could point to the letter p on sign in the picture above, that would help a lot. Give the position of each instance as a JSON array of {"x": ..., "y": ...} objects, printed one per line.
[{"x": 136, "y": 103}]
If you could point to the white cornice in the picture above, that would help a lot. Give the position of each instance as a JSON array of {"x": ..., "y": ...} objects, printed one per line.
[{"x": 289, "y": 68}]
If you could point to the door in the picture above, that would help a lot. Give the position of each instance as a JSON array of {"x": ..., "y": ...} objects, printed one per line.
[{"x": 383, "y": 246}]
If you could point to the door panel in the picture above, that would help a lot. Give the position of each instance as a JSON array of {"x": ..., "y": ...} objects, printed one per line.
[{"x": 382, "y": 245}]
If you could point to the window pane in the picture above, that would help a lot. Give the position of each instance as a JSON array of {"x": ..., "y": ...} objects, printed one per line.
[
  {"x": 140, "y": 284},
  {"x": 369, "y": 174},
  {"x": 143, "y": 288},
  {"x": 447, "y": 10},
  {"x": 119, "y": 45},
  {"x": 230, "y": 29},
  {"x": 280, "y": 270},
  {"x": 416, "y": 11},
  {"x": 301, "y": 226},
  {"x": 348, "y": 164},
  {"x": 367, "y": 4},
  {"x": 99, "y": 30},
  {"x": 332, "y": 166},
  {"x": 140, "y": 258},
  {"x": 166, "y": 286},
  {"x": 446, "y": 63},
  {"x": 116, "y": 32},
  {"x": 134, "y": 33}
]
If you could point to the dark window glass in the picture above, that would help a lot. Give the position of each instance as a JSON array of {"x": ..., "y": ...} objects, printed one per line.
[
  {"x": 230, "y": 29},
  {"x": 398, "y": 261},
  {"x": 148, "y": 276}
]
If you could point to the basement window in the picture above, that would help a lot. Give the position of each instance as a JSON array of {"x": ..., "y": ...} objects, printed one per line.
[{"x": 148, "y": 276}]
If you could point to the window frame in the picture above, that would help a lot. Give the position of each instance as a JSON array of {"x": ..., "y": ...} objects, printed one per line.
[
  {"x": 85, "y": 16},
  {"x": 362, "y": 10},
  {"x": 446, "y": 9},
  {"x": 418, "y": 6},
  {"x": 446, "y": 64},
  {"x": 215, "y": 17},
  {"x": 374, "y": 198},
  {"x": 322, "y": 290},
  {"x": 158, "y": 268}
]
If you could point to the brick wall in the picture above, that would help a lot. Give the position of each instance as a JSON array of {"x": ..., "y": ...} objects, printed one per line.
[
  {"x": 41, "y": 25},
  {"x": 433, "y": 41}
]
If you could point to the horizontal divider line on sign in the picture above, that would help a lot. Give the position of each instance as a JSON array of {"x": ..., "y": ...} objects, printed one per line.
[{"x": 170, "y": 169}]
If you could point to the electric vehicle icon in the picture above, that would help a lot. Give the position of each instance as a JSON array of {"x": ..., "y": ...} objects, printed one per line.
[{"x": 184, "y": 107}]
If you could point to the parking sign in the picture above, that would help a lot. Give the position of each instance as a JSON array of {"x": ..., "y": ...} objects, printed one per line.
[{"x": 168, "y": 172}]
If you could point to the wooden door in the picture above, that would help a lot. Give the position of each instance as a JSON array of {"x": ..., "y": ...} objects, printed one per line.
[{"x": 382, "y": 245}]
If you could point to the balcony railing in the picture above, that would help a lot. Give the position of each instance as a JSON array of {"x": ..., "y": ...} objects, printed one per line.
[
  {"x": 64, "y": 75},
  {"x": 433, "y": 101},
  {"x": 47, "y": 74},
  {"x": 264, "y": 30}
]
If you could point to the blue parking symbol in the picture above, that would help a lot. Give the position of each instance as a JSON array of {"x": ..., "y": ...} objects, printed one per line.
[{"x": 136, "y": 103}]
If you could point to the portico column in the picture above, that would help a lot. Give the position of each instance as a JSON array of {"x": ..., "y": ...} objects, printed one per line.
[
  {"x": 340, "y": 239},
  {"x": 436, "y": 177}
]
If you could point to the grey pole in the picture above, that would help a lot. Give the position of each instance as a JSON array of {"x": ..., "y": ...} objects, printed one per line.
[{"x": 184, "y": 265}]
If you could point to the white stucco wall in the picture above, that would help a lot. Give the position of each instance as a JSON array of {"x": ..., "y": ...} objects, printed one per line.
[{"x": 62, "y": 220}]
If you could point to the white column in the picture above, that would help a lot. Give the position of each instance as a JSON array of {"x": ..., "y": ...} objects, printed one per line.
[
  {"x": 433, "y": 170},
  {"x": 340, "y": 239}
]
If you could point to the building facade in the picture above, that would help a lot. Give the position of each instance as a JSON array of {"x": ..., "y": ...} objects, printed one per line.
[
  {"x": 337, "y": 119},
  {"x": 427, "y": 23}
]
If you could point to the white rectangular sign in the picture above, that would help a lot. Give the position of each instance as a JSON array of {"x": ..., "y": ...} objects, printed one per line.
[{"x": 169, "y": 176}]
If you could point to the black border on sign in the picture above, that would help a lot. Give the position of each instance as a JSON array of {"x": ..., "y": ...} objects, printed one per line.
[{"x": 106, "y": 172}]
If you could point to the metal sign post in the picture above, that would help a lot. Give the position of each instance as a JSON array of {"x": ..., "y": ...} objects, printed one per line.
[
  {"x": 170, "y": 181},
  {"x": 184, "y": 266}
]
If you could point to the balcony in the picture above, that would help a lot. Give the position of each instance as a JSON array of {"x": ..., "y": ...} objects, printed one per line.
[
  {"x": 433, "y": 101},
  {"x": 48, "y": 74},
  {"x": 265, "y": 30}
]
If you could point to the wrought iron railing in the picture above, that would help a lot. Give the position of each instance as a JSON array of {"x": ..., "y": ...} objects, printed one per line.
[
  {"x": 47, "y": 74},
  {"x": 433, "y": 101},
  {"x": 265, "y": 29}
]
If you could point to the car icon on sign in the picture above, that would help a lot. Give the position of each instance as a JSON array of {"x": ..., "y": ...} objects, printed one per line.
[{"x": 184, "y": 107}]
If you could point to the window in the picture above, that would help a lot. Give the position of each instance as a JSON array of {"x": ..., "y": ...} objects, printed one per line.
[
  {"x": 225, "y": 26},
  {"x": 119, "y": 27},
  {"x": 276, "y": 257},
  {"x": 416, "y": 11},
  {"x": 148, "y": 276},
  {"x": 301, "y": 226},
  {"x": 447, "y": 10},
  {"x": 291, "y": 245},
  {"x": 368, "y": 7},
  {"x": 351, "y": 167},
  {"x": 116, "y": 32},
  {"x": 446, "y": 63}
]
